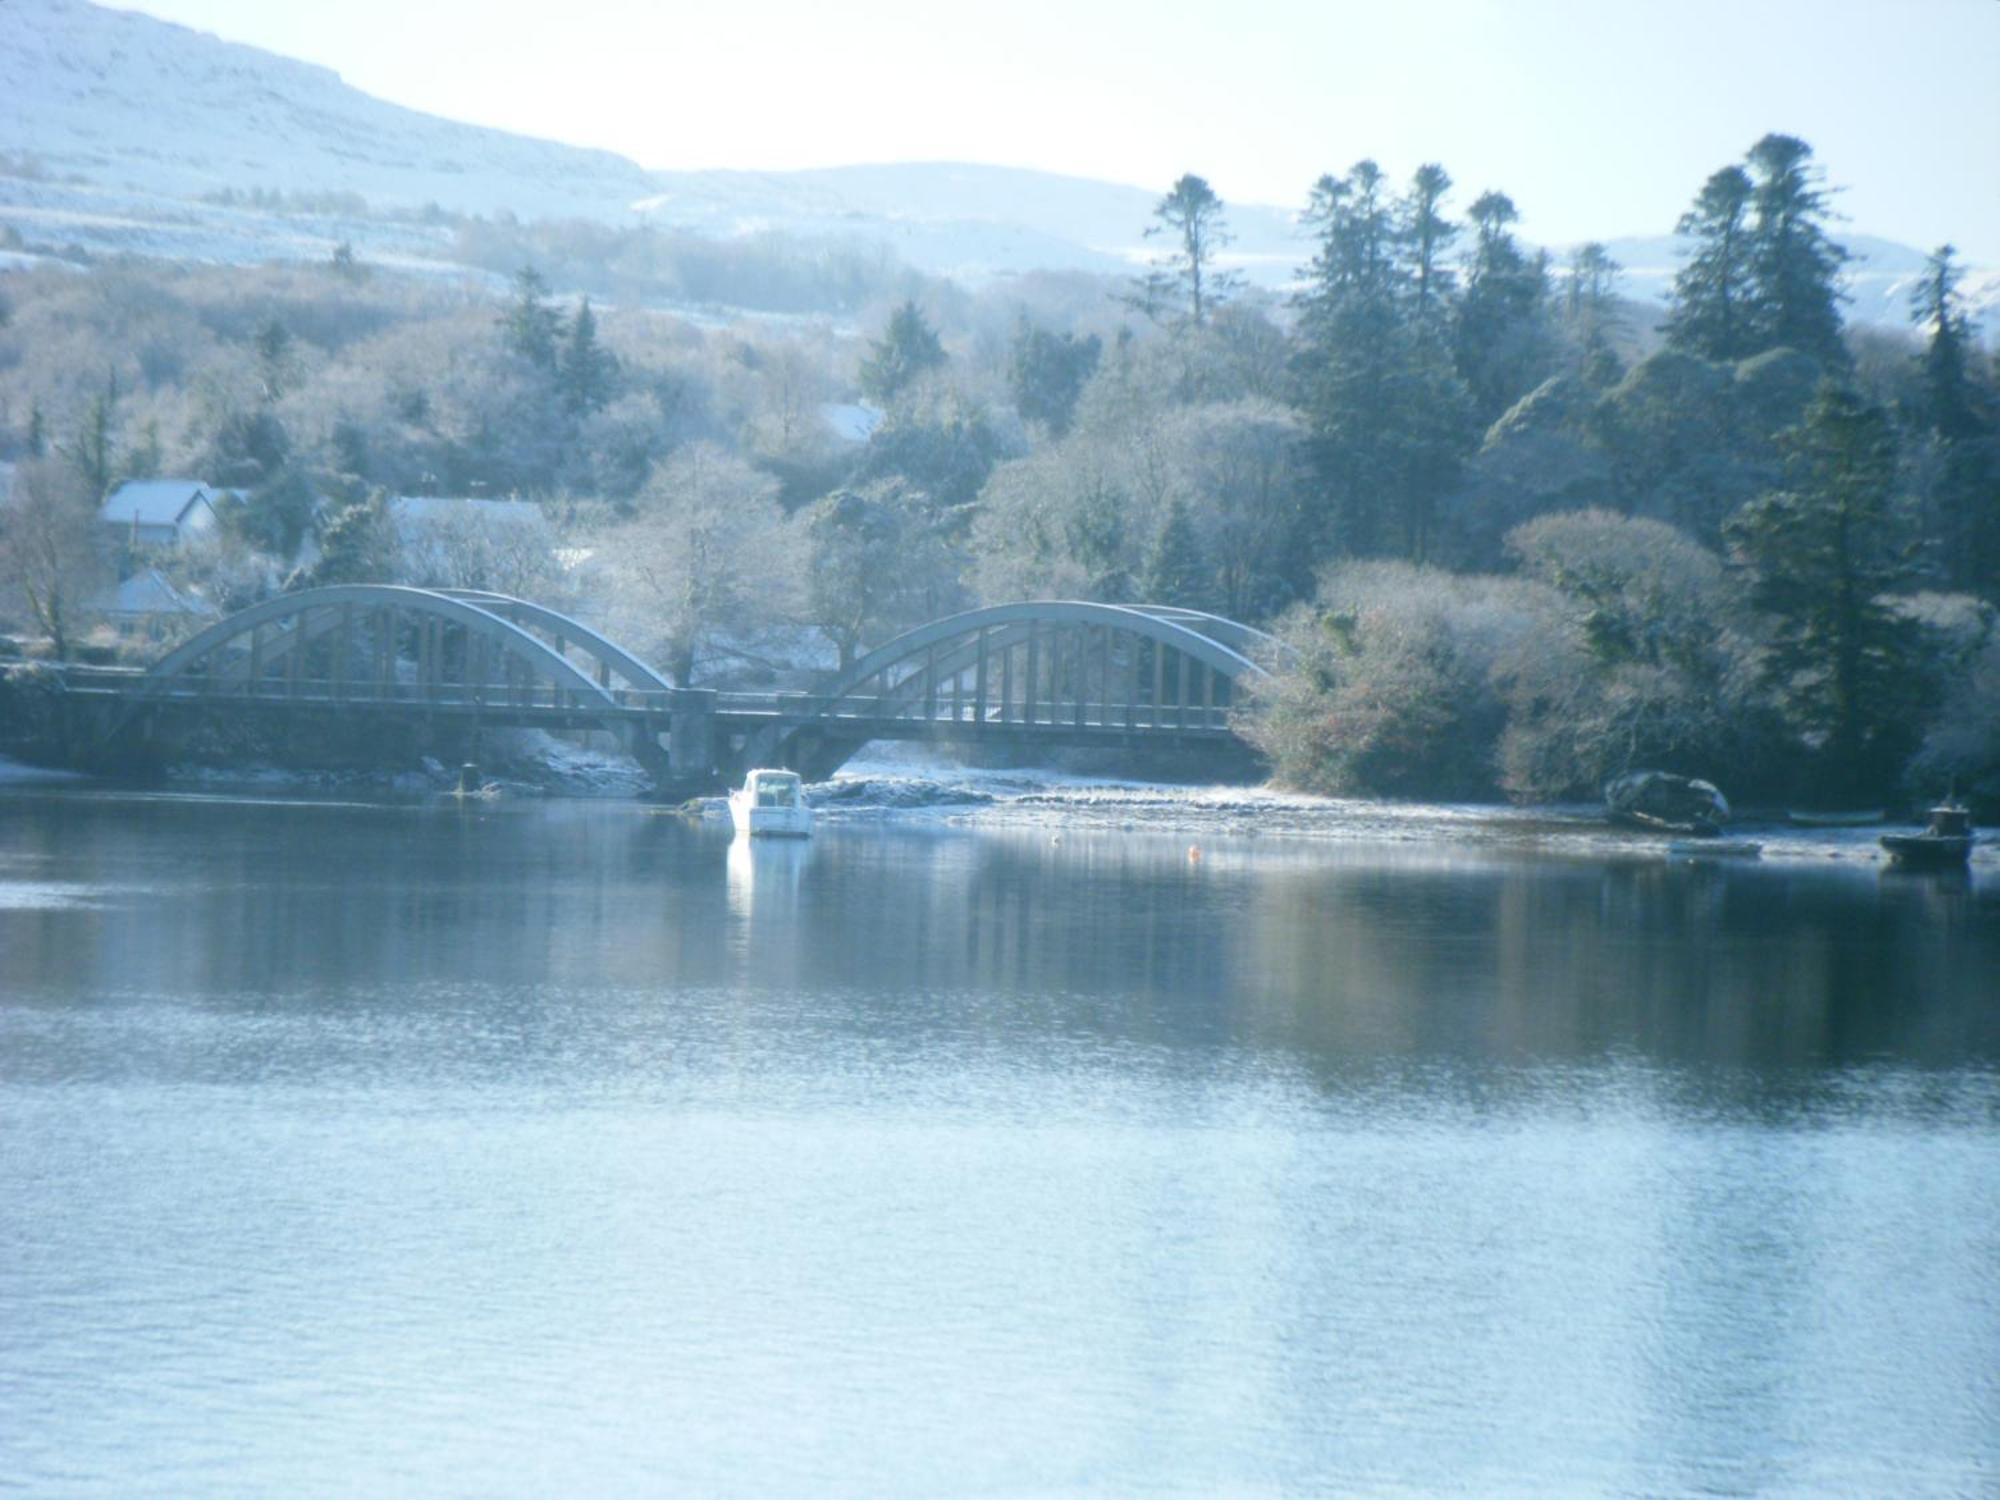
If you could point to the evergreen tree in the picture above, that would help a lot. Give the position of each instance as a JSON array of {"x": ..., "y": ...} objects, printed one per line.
[
  {"x": 142, "y": 460},
  {"x": 1794, "y": 265},
  {"x": 1504, "y": 349},
  {"x": 90, "y": 453},
  {"x": 356, "y": 544},
  {"x": 1389, "y": 419},
  {"x": 1426, "y": 240},
  {"x": 531, "y": 326},
  {"x": 1590, "y": 308},
  {"x": 1957, "y": 418},
  {"x": 908, "y": 349},
  {"x": 589, "y": 371},
  {"x": 1935, "y": 305},
  {"x": 38, "y": 432},
  {"x": 1175, "y": 572},
  {"x": 274, "y": 357},
  {"x": 1047, "y": 373},
  {"x": 1825, "y": 550},
  {"x": 1185, "y": 281},
  {"x": 1709, "y": 312}
]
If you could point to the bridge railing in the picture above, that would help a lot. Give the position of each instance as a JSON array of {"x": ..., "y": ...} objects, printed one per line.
[
  {"x": 197, "y": 688},
  {"x": 799, "y": 707}
]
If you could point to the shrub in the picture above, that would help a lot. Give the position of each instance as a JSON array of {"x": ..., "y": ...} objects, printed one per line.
[{"x": 1399, "y": 683}]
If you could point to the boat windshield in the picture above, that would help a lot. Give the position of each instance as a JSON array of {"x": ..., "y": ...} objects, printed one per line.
[{"x": 777, "y": 791}]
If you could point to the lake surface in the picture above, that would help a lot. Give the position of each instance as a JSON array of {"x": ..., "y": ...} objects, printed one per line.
[{"x": 565, "y": 1148}]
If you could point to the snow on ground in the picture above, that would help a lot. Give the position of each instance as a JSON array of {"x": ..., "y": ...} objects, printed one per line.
[
  {"x": 13, "y": 773},
  {"x": 910, "y": 788}
]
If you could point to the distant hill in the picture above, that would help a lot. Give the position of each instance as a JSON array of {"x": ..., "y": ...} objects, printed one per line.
[
  {"x": 122, "y": 133},
  {"x": 126, "y": 102}
]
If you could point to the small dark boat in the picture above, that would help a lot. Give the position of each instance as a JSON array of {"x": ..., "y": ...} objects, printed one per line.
[{"x": 1945, "y": 844}]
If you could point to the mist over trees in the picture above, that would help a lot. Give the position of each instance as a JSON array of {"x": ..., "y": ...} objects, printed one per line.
[{"x": 1521, "y": 535}]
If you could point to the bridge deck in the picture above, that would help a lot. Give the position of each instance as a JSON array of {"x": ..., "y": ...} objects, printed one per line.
[{"x": 883, "y": 717}]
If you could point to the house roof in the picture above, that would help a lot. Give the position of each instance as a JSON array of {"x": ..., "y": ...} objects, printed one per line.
[
  {"x": 148, "y": 593},
  {"x": 152, "y": 502},
  {"x": 849, "y": 422}
]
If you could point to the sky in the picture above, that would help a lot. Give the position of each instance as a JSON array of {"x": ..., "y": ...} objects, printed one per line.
[{"x": 1598, "y": 119}]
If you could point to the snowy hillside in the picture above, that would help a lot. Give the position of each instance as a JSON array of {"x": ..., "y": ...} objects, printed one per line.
[
  {"x": 126, "y": 102},
  {"x": 115, "y": 127},
  {"x": 963, "y": 218}
]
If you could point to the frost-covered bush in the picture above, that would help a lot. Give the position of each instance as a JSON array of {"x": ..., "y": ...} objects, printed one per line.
[
  {"x": 1650, "y": 661},
  {"x": 1400, "y": 683}
]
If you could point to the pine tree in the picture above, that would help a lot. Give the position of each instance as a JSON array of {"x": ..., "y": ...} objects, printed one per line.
[
  {"x": 1825, "y": 551},
  {"x": 1795, "y": 266},
  {"x": 1590, "y": 307},
  {"x": 1175, "y": 573},
  {"x": 531, "y": 326},
  {"x": 1935, "y": 305},
  {"x": 1426, "y": 236},
  {"x": 1709, "y": 312},
  {"x": 1047, "y": 373},
  {"x": 1389, "y": 419},
  {"x": 1185, "y": 282},
  {"x": 589, "y": 371},
  {"x": 356, "y": 543},
  {"x": 908, "y": 349},
  {"x": 1504, "y": 348},
  {"x": 142, "y": 460},
  {"x": 90, "y": 454},
  {"x": 274, "y": 357},
  {"x": 1957, "y": 418}
]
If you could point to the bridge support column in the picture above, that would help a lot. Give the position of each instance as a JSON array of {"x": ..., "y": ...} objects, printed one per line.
[{"x": 691, "y": 734}]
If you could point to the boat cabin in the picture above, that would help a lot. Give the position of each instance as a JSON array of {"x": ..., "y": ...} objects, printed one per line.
[{"x": 774, "y": 789}]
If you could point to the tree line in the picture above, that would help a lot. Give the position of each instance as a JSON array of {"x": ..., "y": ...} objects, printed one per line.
[{"x": 1441, "y": 463}]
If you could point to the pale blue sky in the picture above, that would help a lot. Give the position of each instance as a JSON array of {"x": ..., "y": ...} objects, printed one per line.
[{"x": 1599, "y": 117}]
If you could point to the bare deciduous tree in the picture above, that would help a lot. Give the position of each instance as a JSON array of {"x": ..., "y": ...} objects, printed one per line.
[
  {"x": 709, "y": 567},
  {"x": 47, "y": 561}
]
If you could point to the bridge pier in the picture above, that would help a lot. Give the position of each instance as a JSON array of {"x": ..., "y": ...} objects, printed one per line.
[{"x": 691, "y": 734}]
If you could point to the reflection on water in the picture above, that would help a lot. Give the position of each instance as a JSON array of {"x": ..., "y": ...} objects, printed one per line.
[{"x": 564, "y": 1148}]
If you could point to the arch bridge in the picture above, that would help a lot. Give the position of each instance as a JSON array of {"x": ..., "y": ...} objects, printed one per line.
[
  {"x": 1041, "y": 672},
  {"x": 1047, "y": 671}
]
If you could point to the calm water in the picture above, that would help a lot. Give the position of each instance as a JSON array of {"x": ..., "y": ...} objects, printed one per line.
[{"x": 564, "y": 1149}]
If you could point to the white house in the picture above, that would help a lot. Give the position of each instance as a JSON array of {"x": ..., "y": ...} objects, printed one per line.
[{"x": 157, "y": 512}]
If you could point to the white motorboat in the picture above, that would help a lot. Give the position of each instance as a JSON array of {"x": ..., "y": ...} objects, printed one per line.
[{"x": 771, "y": 802}]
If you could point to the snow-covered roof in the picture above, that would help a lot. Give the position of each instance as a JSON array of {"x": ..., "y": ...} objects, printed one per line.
[
  {"x": 148, "y": 593},
  {"x": 152, "y": 502},
  {"x": 851, "y": 423}
]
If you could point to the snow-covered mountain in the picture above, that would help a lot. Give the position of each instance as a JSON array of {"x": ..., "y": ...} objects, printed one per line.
[
  {"x": 125, "y": 102},
  {"x": 118, "y": 132}
]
